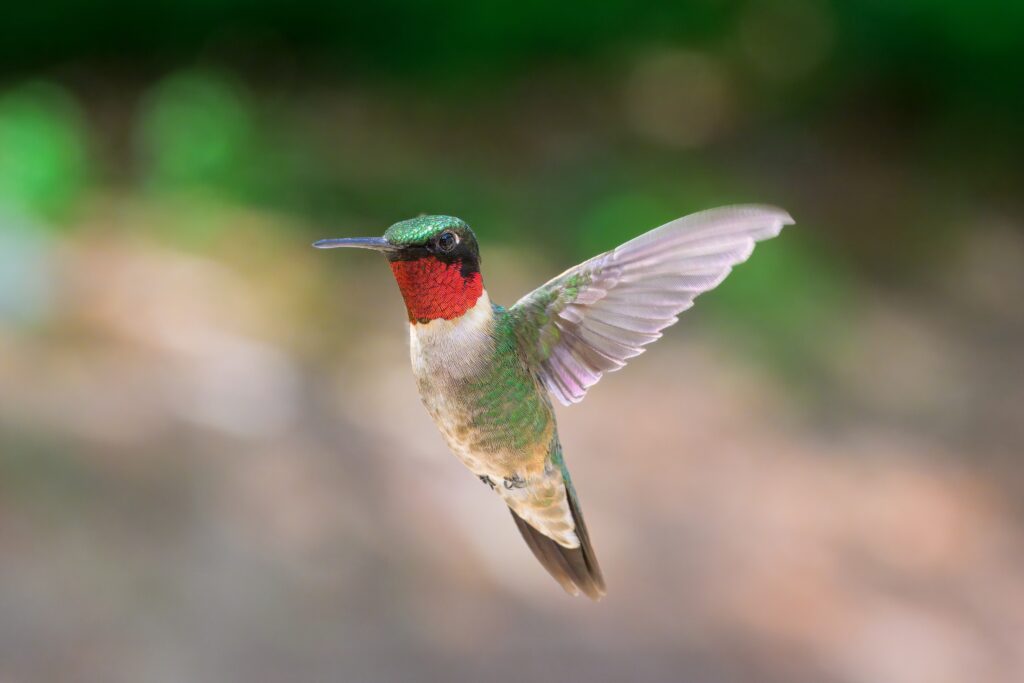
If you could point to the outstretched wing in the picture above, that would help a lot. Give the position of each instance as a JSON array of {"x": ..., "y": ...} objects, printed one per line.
[{"x": 592, "y": 318}]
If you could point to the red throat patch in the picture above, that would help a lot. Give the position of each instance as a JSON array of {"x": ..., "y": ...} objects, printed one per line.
[{"x": 434, "y": 289}]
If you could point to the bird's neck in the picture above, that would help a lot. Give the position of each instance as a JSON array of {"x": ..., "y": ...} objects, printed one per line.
[{"x": 434, "y": 289}]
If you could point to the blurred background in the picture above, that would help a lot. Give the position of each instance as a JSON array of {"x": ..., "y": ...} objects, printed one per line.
[{"x": 213, "y": 461}]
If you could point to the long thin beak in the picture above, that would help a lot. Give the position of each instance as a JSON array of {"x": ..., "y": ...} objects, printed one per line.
[{"x": 375, "y": 243}]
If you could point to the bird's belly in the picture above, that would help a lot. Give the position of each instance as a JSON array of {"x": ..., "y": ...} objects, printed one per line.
[
  {"x": 482, "y": 438},
  {"x": 455, "y": 421},
  {"x": 487, "y": 405}
]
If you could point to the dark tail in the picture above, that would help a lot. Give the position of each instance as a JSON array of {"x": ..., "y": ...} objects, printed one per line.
[{"x": 576, "y": 569}]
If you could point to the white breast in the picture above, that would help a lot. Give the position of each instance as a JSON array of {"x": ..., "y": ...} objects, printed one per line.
[
  {"x": 446, "y": 354},
  {"x": 453, "y": 349}
]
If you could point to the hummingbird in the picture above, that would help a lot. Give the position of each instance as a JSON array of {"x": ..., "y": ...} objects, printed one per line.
[{"x": 487, "y": 374}]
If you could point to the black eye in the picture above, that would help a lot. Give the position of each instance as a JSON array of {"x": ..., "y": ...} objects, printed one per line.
[{"x": 447, "y": 241}]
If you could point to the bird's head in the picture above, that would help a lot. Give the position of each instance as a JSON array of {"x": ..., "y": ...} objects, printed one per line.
[{"x": 435, "y": 260}]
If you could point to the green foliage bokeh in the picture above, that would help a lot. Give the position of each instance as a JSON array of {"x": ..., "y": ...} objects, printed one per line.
[{"x": 44, "y": 165}]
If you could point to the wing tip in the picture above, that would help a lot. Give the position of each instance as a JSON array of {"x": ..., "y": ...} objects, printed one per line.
[
  {"x": 773, "y": 217},
  {"x": 777, "y": 213},
  {"x": 780, "y": 219},
  {"x": 776, "y": 216}
]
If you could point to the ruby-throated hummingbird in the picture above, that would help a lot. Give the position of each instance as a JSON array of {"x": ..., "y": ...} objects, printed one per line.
[{"x": 486, "y": 373}]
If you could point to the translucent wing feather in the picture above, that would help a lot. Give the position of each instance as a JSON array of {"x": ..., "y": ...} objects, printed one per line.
[{"x": 592, "y": 318}]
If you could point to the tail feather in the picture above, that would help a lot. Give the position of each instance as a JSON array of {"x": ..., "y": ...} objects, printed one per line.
[{"x": 575, "y": 569}]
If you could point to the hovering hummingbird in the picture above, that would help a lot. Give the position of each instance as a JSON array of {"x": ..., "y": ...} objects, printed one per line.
[{"x": 486, "y": 373}]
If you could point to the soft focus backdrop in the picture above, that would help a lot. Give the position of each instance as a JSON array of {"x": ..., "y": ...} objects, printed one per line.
[{"x": 213, "y": 462}]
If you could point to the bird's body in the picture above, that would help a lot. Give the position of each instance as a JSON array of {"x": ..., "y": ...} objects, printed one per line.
[
  {"x": 486, "y": 373},
  {"x": 490, "y": 407},
  {"x": 478, "y": 386}
]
